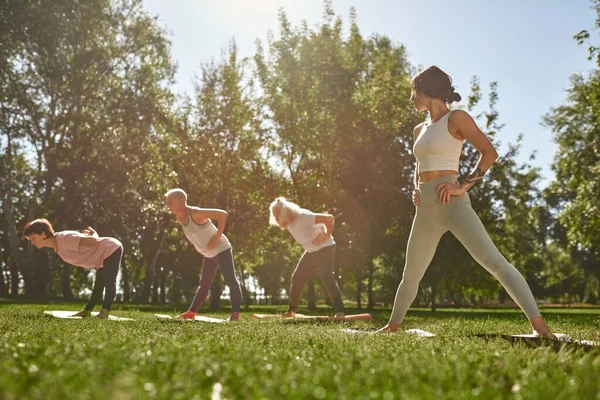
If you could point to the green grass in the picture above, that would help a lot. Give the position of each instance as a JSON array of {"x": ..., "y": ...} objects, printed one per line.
[{"x": 47, "y": 358}]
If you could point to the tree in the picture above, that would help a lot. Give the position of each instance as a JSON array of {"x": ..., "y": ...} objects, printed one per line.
[
  {"x": 340, "y": 120},
  {"x": 220, "y": 159},
  {"x": 88, "y": 87},
  {"x": 574, "y": 193},
  {"x": 583, "y": 36}
]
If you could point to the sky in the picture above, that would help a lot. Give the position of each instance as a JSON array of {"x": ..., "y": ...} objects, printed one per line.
[{"x": 526, "y": 46}]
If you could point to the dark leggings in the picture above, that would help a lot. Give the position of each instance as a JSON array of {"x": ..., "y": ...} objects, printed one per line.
[
  {"x": 322, "y": 260},
  {"x": 106, "y": 278},
  {"x": 209, "y": 267}
]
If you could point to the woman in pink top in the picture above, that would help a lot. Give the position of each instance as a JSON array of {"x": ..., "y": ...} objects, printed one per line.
[{"x": 85, "y": 250}]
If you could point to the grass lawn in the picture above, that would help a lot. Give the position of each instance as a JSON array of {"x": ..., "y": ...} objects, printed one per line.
[{"x": 42, "y": 357}]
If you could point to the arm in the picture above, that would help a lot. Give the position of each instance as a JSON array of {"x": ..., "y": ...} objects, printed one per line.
[
  {"x": 202, "y": 215},
  {"x": 415, "y": 197},
  {"x": 91, "y": 232},
  {"x": 466, "y": 127},
  {"x": 328, "y": 220},
  {"x": 462, "y": 125},
  {"x": 416, "y": 177}
]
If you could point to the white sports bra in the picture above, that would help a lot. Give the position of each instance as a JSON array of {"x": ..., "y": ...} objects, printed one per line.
[{"x": 436, "y": 149}]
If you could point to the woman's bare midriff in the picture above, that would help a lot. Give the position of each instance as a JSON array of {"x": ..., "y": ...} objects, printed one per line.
[{"x": 431, "y": 175}]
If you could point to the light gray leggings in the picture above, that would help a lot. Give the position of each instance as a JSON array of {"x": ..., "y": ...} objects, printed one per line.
[{"x": 432, "y": 220}]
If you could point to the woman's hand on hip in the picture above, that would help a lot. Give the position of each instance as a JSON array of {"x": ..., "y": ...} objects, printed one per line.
[
  {"x": 214, "y": 241},
  {"x": 446, "y": 190},
  {"x": 319, "y": 240},
  {"x": 415, "y": 197}
]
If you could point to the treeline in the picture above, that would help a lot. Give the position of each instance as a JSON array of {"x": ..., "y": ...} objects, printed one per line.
[{"x": 92, "y": 134}]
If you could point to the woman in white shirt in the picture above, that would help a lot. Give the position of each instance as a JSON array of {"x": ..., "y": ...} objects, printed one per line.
[{"x": 313, "y": 232}]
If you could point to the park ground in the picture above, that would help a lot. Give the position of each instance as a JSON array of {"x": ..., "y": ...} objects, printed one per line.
[{"x": 42, "y": 357}]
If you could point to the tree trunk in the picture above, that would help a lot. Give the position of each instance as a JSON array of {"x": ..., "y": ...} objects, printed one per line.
[
  {"x": 370, "y": 296},
  {"x": 358, "y": 293},
  {"x": 66, "y": 283},
  {"x": 28, "y": 283},
  {"x": 41, "y": 262},
  {"x": 125, "y": 280},
  {"x": 582, "y": 286},
  {"x": 155, "y": 285},
  {"x": 163, "y": 278},
  {"x": 2, "y": 281},
  {"x": 244, "y": 290},
  {"x": 7, "y": 210},
  {"x": 13, "y": 242},
  {"x": 148, "y": 279},
  {"x": 433, "y": 290},
  {"x": 502, "y": 296},
  {"x": 338, "y": 278}
]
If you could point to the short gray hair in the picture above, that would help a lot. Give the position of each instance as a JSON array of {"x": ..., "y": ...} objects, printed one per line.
[{"x": 178, "y": 193}]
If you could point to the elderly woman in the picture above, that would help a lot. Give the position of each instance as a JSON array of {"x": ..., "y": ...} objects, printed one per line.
[
  {"x": 209, "y": 241},
  {"x": 313, "y": 232}
]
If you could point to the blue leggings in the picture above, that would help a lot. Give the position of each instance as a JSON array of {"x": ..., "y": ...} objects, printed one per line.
[{"x": 209, "y": 268}]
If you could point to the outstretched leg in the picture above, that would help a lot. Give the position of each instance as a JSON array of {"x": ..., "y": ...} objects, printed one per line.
[
  {"x": 235, "y": 291},
  {"x": 111, "y": 270},
  {"x": 304, "y": 270},
  {"x": 424, "y": 237},
  {"x": 464, "y": 223},
  {"x": 326, "y": 262},
  {"x": 96, "y": 292},
  {"x": 209, "y": 267}
]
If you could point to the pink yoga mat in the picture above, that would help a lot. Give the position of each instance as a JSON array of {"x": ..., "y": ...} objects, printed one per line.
[{"x": 355, "y": 317}]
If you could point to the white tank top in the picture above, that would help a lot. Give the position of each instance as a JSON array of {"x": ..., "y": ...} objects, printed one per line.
[
  {"x": 200, "y": 235},
  {"x": 436, "y": 149},
  {"x": 305, "y": 230}
]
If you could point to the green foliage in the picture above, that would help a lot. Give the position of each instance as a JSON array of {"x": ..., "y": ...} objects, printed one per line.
[
  {"x": 91, "y": 134},
  {"x": 583, "y": 36},
  {"x": 575, "y": 193},
  {"x": 342, "y": 122}
]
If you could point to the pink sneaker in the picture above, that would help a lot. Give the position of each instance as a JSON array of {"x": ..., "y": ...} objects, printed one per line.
[{"x": 187, "y": 315}]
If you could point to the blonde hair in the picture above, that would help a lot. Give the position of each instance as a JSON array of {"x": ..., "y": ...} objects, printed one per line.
[
  {"x": 177, "y": 193},
  {"x": 287, "y": 211}
]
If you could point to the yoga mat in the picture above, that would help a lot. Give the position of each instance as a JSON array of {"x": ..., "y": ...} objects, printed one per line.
[
  {"x": 198, "y": 318},
  {"x": 417, "y": 332},
  {"x": 302, "y": 317},
  {"x": 69, "y": 315},
  {"x": 562, "y": 337}
]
